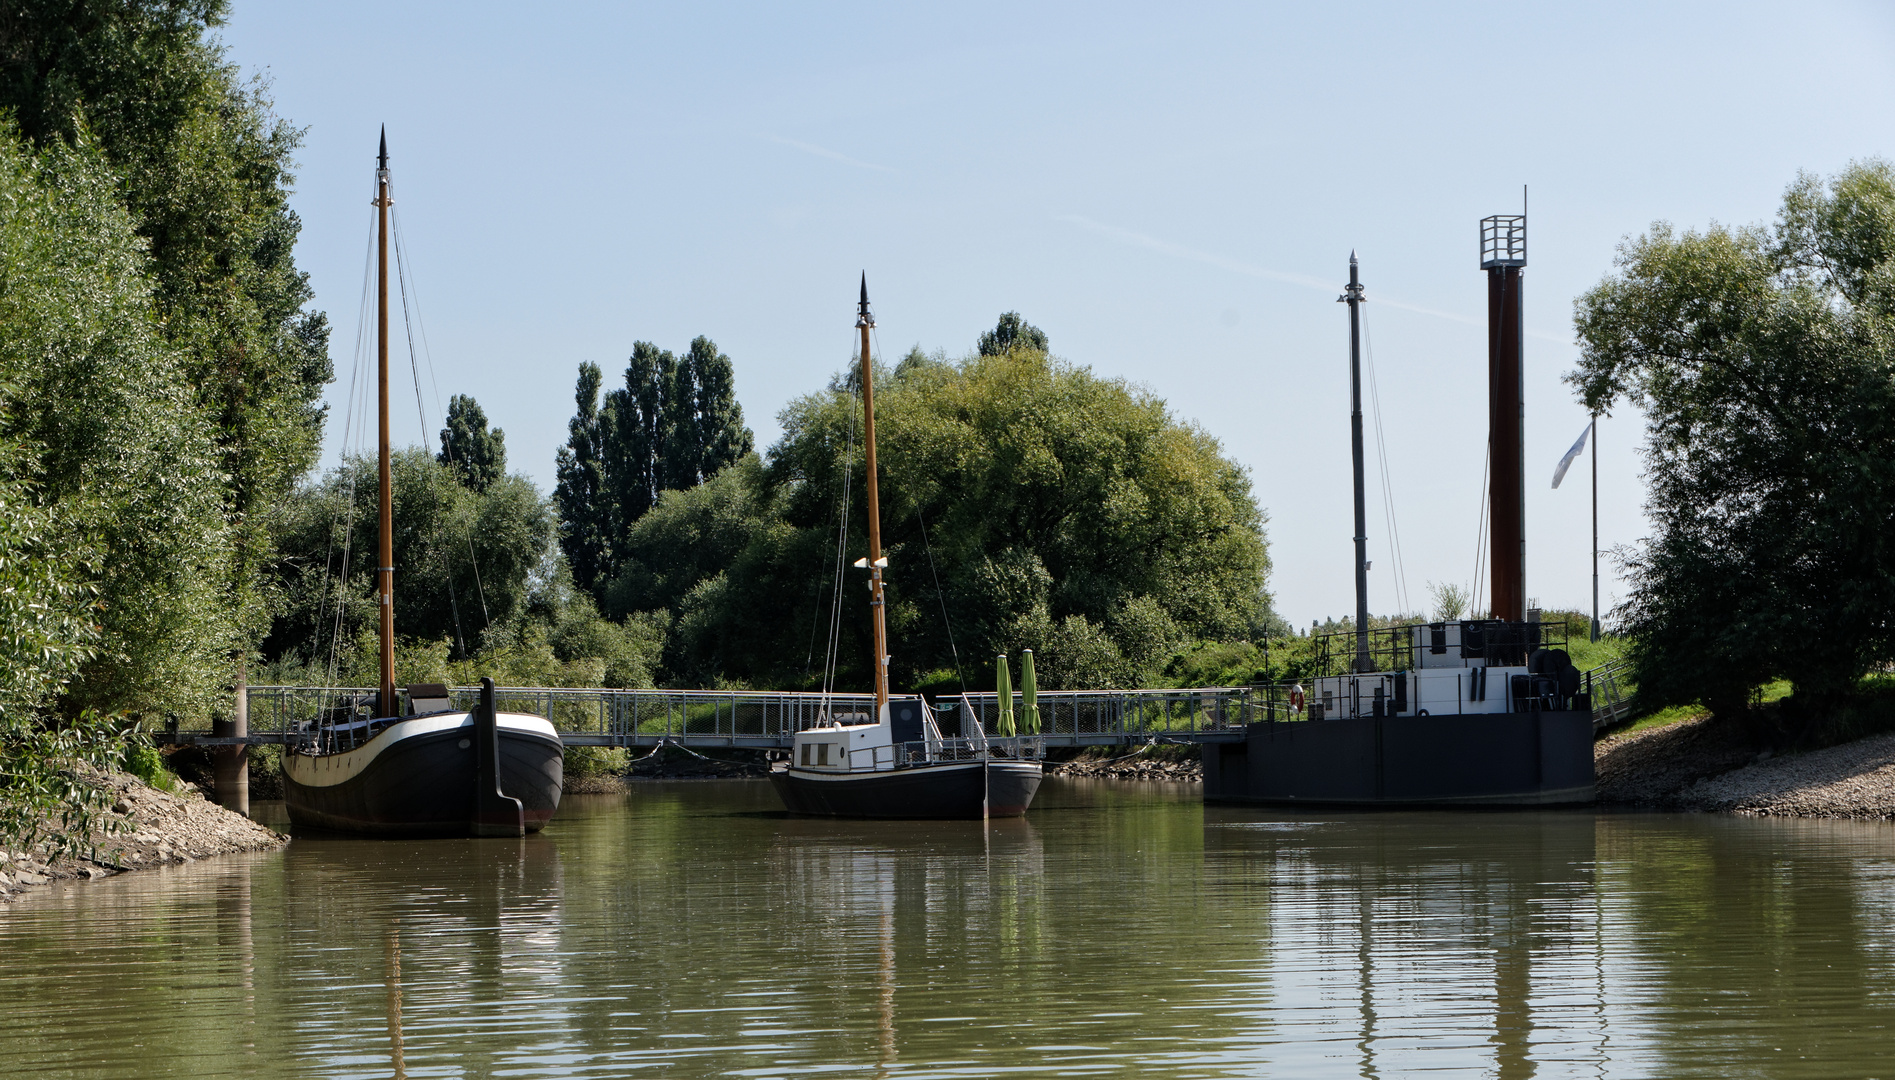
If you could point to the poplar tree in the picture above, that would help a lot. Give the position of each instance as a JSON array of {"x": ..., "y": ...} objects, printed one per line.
[
  {"x": 673, "y": 425},
  {"x": 477, "y": 455},
  {"x": 1010, "y": 333},
  {"x": 585, "y": 520}
]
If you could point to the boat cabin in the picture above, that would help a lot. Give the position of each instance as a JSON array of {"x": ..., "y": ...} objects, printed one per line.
[
  {"x": 1460, "y": 667},
  {"x": 905, "y": 732}
]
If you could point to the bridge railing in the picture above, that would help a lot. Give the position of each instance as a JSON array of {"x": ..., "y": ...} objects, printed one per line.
[
  {"x": 601, "y": 717},
  {"x": 769, "y": 719},
  {"x": 1101, "y": 715}
]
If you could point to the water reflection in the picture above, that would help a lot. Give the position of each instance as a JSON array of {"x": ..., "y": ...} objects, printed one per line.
[{"x": 691, "y": 930}]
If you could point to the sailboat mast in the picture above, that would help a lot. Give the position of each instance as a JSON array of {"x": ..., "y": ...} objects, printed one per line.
[
  {"x": 866, "y": 322},
  {"x": 385, "y": 548}
]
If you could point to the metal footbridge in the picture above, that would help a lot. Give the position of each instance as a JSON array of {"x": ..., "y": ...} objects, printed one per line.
[{"x": 766, "y": 720}]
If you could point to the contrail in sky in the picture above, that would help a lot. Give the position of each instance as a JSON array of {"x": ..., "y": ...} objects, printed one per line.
[
  {"x": 824, "y": 152},
  {"x": 1236, "y": 266}
]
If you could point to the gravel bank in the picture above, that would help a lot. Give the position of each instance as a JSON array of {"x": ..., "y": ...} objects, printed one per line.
[
  {"x": 1700, "y": 765},
  {"x": 161, "y": 830},
  {"x": 1133, "y": 767}
]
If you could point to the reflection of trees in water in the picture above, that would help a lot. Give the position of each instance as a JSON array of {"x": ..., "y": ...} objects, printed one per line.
[
  {"x": 461, "y": 932},
  {"x": 119, "y": 977},
  {"x": 1760, "y": 941},
  {"x": 680, "y": 936}
]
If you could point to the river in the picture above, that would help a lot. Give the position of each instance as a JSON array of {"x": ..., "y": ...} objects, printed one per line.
[{"x": 690, "y": 929}]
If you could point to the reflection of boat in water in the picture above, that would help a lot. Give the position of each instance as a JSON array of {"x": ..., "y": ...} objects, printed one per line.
[
  {"x": 895, "y": 763},
  {"x": 428, "y": 770}
]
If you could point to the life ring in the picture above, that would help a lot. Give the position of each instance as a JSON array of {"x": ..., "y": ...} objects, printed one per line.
[{"x": 1296, "y": 698}]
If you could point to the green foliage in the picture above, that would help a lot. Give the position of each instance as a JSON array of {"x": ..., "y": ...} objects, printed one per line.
[
  {"x": 121, "y": 450},
  {"x": 477, "y": 455},
  {"x": 203, "y": 166},
  {"x": 47, "y": 764},
  {"x": 585, "y": 762},
  {"x": 143, "y": 760},
  {"x": 1765, "y": 359},
  {"x": 465, "y": 560},
  {"x": 1010, "y": 333},
  {"x": 479, "y": 587},
  {"x": 1065, "y": 513},
  {"x": 1450, "y": 601},
  {"x": 672, "y": 426},
  {"x": 586, "y": 525}
]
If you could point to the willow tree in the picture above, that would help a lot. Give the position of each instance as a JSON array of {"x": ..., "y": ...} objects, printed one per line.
[
  {"x": 1765, "y": 359},
  {"x": 1036, "y": 503},
  {"x": 203, "y": 166}
]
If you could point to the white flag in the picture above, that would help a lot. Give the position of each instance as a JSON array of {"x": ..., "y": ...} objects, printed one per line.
[{"x": 1566, "y": 462}]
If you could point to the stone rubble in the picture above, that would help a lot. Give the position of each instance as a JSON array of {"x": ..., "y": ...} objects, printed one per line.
[
  {"x": 1135, "y": 767},
  {"x": 158, "y": 829},
  {"x": 1701, "y": 765}
]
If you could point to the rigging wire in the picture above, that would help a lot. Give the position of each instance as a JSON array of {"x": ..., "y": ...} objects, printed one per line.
[
  {"x": 1400, "y": 572},
  {"x": 1480, "y": 533},
  {"x": 351, "y": 432},
  {"x": 841, "y": 561},
  {"x": 942, "y": 596},
  {"x": 406, "y": 275}
]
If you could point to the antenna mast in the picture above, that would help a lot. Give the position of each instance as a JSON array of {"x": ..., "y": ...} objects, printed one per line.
[{"x": 1352, "y": 296}]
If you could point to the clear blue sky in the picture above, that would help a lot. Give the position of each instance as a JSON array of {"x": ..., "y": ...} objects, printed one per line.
[{"x": 1170, "y": 191}]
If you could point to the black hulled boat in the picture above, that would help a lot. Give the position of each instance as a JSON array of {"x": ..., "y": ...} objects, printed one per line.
[
  {"x": 425, "y": 769},
  {"x": 896, "y": 763}
]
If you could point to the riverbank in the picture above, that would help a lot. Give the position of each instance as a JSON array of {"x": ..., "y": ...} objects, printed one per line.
[
  {"x": 154, "y": 828},
  {"x": 1184, "y": 764},
  {"x": 1702, "y": 765}
]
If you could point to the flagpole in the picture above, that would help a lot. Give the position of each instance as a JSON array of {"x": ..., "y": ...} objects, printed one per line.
[{"x": 1595, "y": 526}]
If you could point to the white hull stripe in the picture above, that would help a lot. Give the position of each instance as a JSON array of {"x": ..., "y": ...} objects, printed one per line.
[
  {"x": 876, "y": 774},
  {"x": 328, "y": 770}
]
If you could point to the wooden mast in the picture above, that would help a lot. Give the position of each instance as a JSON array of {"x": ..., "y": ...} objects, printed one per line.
[
  {"x": 385, "y": 548},
  {"x": 866, "y": 322}
]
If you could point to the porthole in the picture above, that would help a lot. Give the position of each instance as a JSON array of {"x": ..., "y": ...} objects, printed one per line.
[{"x": 465, "y": 743}]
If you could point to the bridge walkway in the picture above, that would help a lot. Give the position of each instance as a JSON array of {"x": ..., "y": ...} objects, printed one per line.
[{"x": 767, "y": 720}]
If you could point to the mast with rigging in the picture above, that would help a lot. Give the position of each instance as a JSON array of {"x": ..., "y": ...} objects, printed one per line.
[
  {"x": 865, "y": 322},
  {"x": 385, "y": 547}
]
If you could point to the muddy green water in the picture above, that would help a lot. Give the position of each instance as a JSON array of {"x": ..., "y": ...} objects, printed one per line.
[{"x": 1123, "y": 929}]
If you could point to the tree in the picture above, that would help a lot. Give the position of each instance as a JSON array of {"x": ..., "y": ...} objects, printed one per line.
[
  {"x": 1057, "y": 510},
  {"x": 204, "y": 167},
  {"x": 477, "y": 456},
  {"x": 1765, "y": 359},
  {"x": 465, "y": 560},
  {"x": 672, "y": 426},
  {"x": 586, "y": 524},
  {"x": 719, "y": 437},
  {"x": 122, "y": 449},
  {"x": 1010, "y": 333}
]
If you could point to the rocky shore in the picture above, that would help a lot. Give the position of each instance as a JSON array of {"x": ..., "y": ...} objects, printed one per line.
[
  {"x": 1181, "y": 764},
  {"x": 155, "y": 829},
  {"x": 1702, "y": 765}
]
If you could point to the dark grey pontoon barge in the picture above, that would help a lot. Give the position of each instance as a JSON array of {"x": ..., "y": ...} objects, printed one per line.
[{"x": 1478, "y": 712}]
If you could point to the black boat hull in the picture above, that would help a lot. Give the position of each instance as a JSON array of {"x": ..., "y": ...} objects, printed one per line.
[
  {"x": 962, "y": 790},
  {"x": 1488, "y": 759},
  {"x": 422, "y": 782}
]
